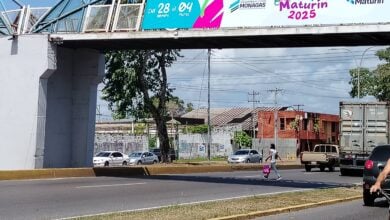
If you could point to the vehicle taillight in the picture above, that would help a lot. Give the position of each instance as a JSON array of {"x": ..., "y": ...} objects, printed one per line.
[{"x": 369, "y": 164}]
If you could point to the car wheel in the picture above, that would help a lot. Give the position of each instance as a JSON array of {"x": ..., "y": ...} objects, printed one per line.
[
  {"x": 344, "y": 172},
  {"x": 331, "y": 168},
  {"x": 248, "y": 161},
  {"x": 124, "y": 163},
  {"x": 322, "y": 168},
  {"x": 307, "y": 168},
  {"x": 139, "y": 162},
  {"x": 154, "y": 161},
  {"x": 368, "y": 198},
  {"x": 106, "y": 164}
]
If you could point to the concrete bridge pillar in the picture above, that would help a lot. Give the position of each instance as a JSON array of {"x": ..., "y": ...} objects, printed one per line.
[{"x": 47, "y": 103}]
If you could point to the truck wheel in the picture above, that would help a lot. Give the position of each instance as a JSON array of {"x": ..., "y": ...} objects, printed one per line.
[
  {"x": 322, "y": 168},
  {"x": 307, "y": 168},
  {"x": 368, "y": 198},
  {"x": 331, "y": 168}
]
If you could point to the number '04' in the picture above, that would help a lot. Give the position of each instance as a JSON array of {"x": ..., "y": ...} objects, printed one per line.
[{"x": 185, "y": 6}]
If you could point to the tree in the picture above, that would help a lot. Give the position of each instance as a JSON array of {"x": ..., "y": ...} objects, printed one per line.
[
  {"x": 374, "y": 82},
  {"x": 136, "y": 85},
  {"x": 198, "y": 129},
  {"x": 243, "y": 139}
]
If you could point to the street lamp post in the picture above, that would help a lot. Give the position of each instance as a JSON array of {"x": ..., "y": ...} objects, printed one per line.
[{"x": 358, "y": 65}]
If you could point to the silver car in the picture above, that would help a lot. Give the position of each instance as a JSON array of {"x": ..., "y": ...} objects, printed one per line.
[
  {"x": 245, "y": 156},
  {"x": 143, "y": 157}
]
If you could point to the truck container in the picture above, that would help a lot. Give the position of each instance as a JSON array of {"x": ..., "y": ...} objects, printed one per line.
[{"x": 363, "y": 125}]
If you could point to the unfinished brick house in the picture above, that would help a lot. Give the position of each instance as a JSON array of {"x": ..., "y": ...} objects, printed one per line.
[{"x": 306, "y": 128}]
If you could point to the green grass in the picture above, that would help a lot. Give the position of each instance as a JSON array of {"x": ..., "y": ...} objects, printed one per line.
[{"x": 233, "y": 207}]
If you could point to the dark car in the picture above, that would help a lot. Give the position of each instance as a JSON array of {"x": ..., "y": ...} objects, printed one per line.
[
  {"x": 171, "y": 153},
  {"x": 373, "y": 166}
]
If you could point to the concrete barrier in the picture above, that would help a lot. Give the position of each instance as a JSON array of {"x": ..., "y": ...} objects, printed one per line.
[
  {"x": 132, "y": 171},
  {"x": 46, "y": 173}
]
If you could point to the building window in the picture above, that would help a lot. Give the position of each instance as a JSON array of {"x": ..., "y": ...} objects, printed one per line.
[
  {"x": 282, "y": 124},
  {"x": 305, "y": 124},
  {"x": 333, "y": 126}
]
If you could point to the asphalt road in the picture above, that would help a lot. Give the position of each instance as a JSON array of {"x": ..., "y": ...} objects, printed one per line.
[
  {"x": 61, "y": 198},
  {"x": 341, "y": 211}
]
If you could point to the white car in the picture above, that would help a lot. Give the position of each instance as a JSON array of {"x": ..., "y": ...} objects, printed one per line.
[
  {"x": 138, "y": 158},
  {"x": 110, "y": 158},
  {"x": 245, "y": 156}
]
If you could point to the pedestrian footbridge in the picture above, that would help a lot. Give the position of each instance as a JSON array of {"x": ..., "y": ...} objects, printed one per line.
[{"x": 51, "y": 58}]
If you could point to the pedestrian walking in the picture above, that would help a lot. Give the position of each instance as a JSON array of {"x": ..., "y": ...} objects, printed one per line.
[{"x": 273, "y": 155}]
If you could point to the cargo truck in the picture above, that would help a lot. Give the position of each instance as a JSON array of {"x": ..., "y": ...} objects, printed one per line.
[{"x": 363, "y": 125}]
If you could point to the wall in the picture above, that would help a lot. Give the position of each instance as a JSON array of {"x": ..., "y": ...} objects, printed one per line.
[
  {"x": 125, "y": 143},
  {"x": 48, "y": 103},
  {"x": 24, "y": 62},
  {"x": 194, "y": 145},
  {"x": 287, "y": 147}
]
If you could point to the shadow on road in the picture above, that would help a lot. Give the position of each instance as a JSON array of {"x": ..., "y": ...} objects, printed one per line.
[{"x": 250, "y": 181}]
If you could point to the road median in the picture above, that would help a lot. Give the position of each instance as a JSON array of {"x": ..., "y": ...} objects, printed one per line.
[{"x": 133, "y": 171}]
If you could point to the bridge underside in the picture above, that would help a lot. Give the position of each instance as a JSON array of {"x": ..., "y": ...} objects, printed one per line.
[{"x": 352, "y": 35}]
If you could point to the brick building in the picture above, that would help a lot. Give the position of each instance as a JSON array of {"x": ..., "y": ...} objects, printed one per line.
[{"x": 306, "y": 128}]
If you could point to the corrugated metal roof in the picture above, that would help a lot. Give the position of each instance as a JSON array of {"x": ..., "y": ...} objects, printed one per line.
[
  {"x": 202, "y": 113},
  {"x": 226, "y": 117}
]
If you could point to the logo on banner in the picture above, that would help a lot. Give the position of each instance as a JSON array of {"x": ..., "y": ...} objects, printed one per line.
[
  {"x": 366, "y": 2},
  {"x": 302, "y": 9},
  {"x": 247, "y": 4}
]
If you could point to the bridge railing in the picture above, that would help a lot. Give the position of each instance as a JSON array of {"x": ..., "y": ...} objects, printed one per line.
[
  {"x": 13, "y": 20},
  {"x": 128, "y": 17},
  {"x": 20, "y": 21},
  {"x": 32, "y": 16},
  {"x": 113, "y": 17}
]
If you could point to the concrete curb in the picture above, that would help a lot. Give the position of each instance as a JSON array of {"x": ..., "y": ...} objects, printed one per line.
[
  {"x": 131, "y": 171},
  {"x": 252, "y": 215},
  {"x": 46, "y": 173}
]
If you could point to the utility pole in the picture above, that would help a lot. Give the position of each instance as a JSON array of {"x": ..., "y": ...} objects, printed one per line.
[
  {"x": 299, "y": 130},
  {"x": 275, "y": 91},
  {"x": 98, "y": 113},
  {"x": 208, "y": 105},
  {"x": 253, "y": 100}
]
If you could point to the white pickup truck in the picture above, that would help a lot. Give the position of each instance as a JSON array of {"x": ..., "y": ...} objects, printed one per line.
[{"x": 323, "y": 155}]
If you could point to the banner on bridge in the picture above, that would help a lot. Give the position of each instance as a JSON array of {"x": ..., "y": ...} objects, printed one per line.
[{"x": 214, "y": 14}]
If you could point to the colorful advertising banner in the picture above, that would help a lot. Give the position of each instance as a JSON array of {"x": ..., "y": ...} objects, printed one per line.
[{"x": 214, "y": 14}]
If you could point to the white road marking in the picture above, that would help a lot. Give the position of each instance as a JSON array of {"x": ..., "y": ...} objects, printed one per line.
[
  {"x": 111, "y": 185},
  {"x": 183, "y": 204},
  {"x": 251, "y": 176}
]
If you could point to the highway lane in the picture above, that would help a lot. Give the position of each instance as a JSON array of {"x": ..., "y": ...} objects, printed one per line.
[
  {"x": 60, "y": 198},
  {"x": 354, "y": 210}
]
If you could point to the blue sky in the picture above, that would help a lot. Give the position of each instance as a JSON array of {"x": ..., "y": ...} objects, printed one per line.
[
  {"x": 34, "y": 3},
  {"x": 314, "y": 77}
]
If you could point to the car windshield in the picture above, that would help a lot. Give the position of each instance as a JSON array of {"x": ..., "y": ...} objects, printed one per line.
[
  {"x": 241, "y": 152},
  {"x": 103, "y": 154},
  {"x": 137, "y": 154}
]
